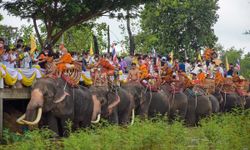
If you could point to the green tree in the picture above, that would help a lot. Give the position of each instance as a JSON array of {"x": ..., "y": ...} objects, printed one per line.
[
  {"x": 24, "y": 33},
  {"x": 80, "y": 37},
  {"x": 245, "y": 66},
  {"x": 60, "y": 15},
  {"x": 232, "y": 55},
  {"x": 178, "y": 25}
]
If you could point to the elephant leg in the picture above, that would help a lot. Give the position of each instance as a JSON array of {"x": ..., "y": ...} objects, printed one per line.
[
  {"x": 247, "y": 105},
  {"x": 113, "y": 117},
  {"x": 53, "y": 123},
  {"x": 124, "y": 117},
  {"x": 190, "y": 118},
  {"x": 66, "y": 126},
  {"x": 144, "y": 105},
  {"x": 181, "y": 105}
]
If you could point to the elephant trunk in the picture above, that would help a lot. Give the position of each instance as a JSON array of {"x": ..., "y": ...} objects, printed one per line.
[
  {"x": 33, "y": 113},
  {"x": 96, "y": 115}
]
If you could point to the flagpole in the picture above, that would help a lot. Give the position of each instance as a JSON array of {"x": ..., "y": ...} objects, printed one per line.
[{"x": 62, "y": 38}]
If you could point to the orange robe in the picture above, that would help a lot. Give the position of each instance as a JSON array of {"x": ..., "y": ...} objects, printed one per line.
[
  {"x": 144, "y": 71},
  {"x": 187, "y": 82},
  {"x": 106, "y": 67},
  {"x": 201, "y": 77},
  {"x": 1, "y": 51},
  {"x": 236, "y": 78},
  {"x": 65, "y": 59},
  {"x": 218, "y": 78},
  {"x": 208, "y": 54}
]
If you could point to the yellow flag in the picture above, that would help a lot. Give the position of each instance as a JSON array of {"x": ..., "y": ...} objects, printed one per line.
[
  {"x": 91, "y": 52},
  {"x": 172, "y": 57},
  {"x": 227, "y": 64},
  {"x": 32, "y": 44},
  {"x": 199, "y": 57}
]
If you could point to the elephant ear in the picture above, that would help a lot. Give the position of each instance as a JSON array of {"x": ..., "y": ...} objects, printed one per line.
[
  {"x": 48, "y": 94},
  {"x": 60, "y": 95}
]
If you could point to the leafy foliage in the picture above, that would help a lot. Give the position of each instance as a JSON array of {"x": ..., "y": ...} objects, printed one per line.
[
  {"x": 80, "y": 37},
  {"x": 59, "y": 16},
  {"x": 233, "y": 55},
  {"x": 178, "y": 25},
  {"x": 227, "y": 131}
]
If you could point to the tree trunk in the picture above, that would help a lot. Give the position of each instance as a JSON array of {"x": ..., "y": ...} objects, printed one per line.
[
  {"x": 108, "y": 41},
  {"x": 130, "y": 36},
  {"x": 96, "y": 49},
  {"x": 37, "y": 33}
]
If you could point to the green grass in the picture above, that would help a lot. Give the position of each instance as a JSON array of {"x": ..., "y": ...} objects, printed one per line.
[{"x": 222, "y": 132}]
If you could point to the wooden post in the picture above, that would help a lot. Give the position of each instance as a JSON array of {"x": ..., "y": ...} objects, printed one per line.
[{"x": 1, "y": 119}]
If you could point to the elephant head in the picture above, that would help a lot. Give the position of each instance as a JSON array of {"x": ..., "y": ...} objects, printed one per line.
[
  {"x": 46, "y": 95},
  {"x": 106, "y": 98}
]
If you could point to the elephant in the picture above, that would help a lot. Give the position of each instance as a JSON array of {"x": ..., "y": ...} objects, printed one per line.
[
  {"x": 247, "y": 105},
  {"x": 199, "y": 106},
  {"x": 121, "y": 102},
  {"x": 215, "y": 103},
  {"x": 228, "y": 101},
  {"x": 147, "y": 103},
  {"x": 140, "y": 102},
  {"x": 159, "y": 103},
  {"x": 60, "y": 103},
  {"x": 177, "y": 100}
]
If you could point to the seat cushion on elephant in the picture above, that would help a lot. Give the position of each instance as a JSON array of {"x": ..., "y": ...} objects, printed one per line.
[
  {"x": 190, "y": 92},
  {"x": 175, "y": 90},
  {"x": 241, "y": 92},
  {"x": 198, "y": 91},
  {"x": 72, "y": 78}
]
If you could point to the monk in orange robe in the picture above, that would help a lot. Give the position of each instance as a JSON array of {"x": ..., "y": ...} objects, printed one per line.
[
  {"x": 106, "y": 66},
  {"x": 201, "y": 77},
  {"x": 186, "y": 81},
  {"x": 144, "y": 71},
  {"x": 66, "y": 58},
  {"x": 169, "y": 75},
  {"x": 219, "y": 79},
  {"x": 208, "y": 54}
]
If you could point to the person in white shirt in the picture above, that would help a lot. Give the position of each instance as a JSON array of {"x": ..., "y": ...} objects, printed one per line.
[
  {"x": 221, "y": 70},
  {"x": 27, "y": 58},
  {"x": 188, "y": 67},
  {"x": 12, "y": 58}
]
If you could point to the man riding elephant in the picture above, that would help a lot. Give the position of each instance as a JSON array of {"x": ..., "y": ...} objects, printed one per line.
[{"x": 64, "y": 61}]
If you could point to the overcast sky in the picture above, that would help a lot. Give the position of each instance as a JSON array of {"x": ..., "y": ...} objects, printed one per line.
[{"x": 234, "y": 20}]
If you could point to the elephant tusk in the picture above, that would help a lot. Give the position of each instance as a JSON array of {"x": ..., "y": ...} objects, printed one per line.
[
  {"x": 19, "y": 120},
  {"x": 97, "y": 120},
  {"x": 36, "y": 121},
  {"x": 133, "y": 117},
  {"x": 61, "y": 98}
]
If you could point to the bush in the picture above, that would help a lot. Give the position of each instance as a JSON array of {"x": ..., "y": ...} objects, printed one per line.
[{"x": 227, "y": 131}]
